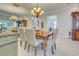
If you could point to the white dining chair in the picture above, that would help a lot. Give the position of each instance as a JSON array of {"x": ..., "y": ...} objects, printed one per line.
[
  {"x": 22, "y": 37},
  {"x": 31, "y": 40},
  {"x": 54, "y": 41}
]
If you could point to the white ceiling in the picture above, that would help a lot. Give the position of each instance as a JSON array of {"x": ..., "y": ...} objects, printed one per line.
[
  {"x": 26, "y": 7},
  {"x": 45, "y": 6}
]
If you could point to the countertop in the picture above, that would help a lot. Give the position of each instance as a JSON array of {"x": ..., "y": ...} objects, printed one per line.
[{"x": 2, "y": 34}]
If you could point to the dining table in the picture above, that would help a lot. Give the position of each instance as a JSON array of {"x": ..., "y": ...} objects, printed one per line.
[{"x": 44, "y": 35}]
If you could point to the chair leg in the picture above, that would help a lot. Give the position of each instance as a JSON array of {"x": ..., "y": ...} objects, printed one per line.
[
  {"x": 44, "y": 51},
  {"x": 35, "y": 51},
  {"x": 28, "y": 47},
  {"x": 55, "y": 45},
  {"x": 25, "y": 45},
  {"x": 20, "y": 43},
  {"x": 52, "y": 50}
]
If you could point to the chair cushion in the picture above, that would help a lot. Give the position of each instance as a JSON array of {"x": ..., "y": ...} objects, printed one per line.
[{"x": 38, "y": 42}]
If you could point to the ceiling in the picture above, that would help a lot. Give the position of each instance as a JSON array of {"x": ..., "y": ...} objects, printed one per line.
[
  {"x": 45, "y": 6},
  {"x": 27, "y": 7}
]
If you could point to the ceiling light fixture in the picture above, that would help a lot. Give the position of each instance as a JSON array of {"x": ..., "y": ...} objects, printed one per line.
[{"x": 37, "y": 11}]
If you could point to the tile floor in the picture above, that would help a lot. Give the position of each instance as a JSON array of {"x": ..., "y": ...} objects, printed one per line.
[
  {"x": 40, "y": 52},
  {"x": 65, "y": 47}
]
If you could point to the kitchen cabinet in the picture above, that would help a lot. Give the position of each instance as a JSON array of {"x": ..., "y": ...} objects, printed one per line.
[
  {"x": 75, "y": 26},
  {"x": 9, "y": 45}
]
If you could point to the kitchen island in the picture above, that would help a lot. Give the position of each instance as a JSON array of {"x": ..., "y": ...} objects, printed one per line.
[{"x": 8, "y": 44}]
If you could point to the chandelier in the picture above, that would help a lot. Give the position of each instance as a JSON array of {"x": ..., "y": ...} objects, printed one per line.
[
  {"x": 36, "y": 12},
  {"x": 13, "y": 18}
]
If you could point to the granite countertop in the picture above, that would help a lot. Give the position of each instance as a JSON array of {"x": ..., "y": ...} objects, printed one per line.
[{"x": 2, "y": 34}]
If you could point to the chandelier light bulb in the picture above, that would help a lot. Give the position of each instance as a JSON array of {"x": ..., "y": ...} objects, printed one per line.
[
  {"x": 32, "y": 11},
  {"x": 37, "y": 12},
  {"x": 39, "y": 8},
  {"x": 34, "y": 8},
  {"x": 42, "y": 11}
]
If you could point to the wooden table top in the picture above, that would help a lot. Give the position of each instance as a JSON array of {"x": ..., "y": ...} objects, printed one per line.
[
  {"x": 39, "y": 34},
  {"x": 44, "y": 36}
]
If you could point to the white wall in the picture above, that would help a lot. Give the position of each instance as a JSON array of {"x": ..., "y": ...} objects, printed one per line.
[{"x": 64, "y": 21}]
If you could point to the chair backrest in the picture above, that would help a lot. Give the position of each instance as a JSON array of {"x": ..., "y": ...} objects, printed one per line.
[
  {"x": 55, "y": 35},
  {"x": 22, "y": 34},
  {"x": 30, "y": 36}
]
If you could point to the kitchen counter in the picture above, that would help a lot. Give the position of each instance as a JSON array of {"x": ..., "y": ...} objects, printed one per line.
[
  {"x": 8, "y": 34},
  {"x": 3, "y": 34},
  {"x": 8, "y": 43}
]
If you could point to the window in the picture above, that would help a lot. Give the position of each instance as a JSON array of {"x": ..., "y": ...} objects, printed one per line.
[{"x": 52, "y": 22}]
